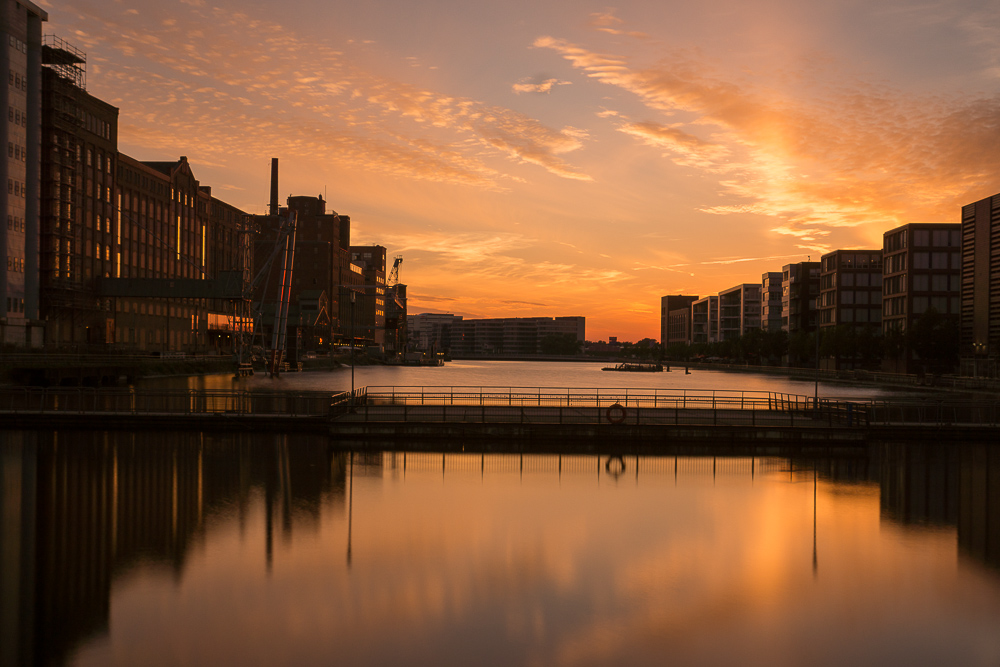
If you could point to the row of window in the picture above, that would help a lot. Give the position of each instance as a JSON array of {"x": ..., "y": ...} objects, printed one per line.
[
  {"x": 19, "y": 82},
  {"x": 16, "y": 188},
  {"x": 15, "y": 305},
  {"x": 18, "y": 44},
  {"x": 17, "y": 117},
  {"x": 15, "y": 223},
  {"x": 15, "y": 264},
  {"x": 16, "y": 151}
]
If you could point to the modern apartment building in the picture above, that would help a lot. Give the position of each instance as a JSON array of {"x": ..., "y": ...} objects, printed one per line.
[
  {"x": 739, "y": 310},
  {"x": 980, "y": 298},
  {"x": 21, "y": 55},
  {"x": 705, "y": 320},
  {"x": 799, "y": 292},
  {"x": 922, "y": 271},
  {"x": 770, "y": 306},
  {"x": 670, "y": 304},
  {"x": 851, "y": 289}
]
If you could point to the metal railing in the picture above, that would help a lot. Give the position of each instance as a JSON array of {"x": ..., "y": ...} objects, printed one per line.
[{"x": 508, "y": 405}]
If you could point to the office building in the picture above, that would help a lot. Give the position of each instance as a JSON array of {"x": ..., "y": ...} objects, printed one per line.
[
  {"x": 512, "y": 336},
  {"x": 21, "y": 55},
  {"x": 850, "y": 307}
]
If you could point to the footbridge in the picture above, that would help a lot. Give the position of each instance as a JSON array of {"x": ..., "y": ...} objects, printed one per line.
[{"x": 512, "y": 418}]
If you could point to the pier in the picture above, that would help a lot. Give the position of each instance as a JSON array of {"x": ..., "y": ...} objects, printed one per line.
[{"x": 511, "y": 418}]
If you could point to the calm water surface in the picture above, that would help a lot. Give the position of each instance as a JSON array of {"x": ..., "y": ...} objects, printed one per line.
[
  {"x": 197, "y": 549},
  {"x": 519, "y": 374}
]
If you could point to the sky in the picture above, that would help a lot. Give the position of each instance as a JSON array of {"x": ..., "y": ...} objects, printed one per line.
[{"x": 556, "y": 158}]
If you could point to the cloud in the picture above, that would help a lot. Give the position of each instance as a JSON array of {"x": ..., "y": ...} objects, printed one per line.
[
  {"x": 836, "y": 153},
  {"x": 606, "y": 21},
  {"x": 534, "y": 85},
  {"x": 257, "y": 83}
]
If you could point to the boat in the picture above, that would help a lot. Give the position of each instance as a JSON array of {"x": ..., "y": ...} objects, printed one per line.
[{"x": 636, "y": 367}]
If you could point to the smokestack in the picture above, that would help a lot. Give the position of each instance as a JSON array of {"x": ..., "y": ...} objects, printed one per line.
[{"x": 274, "y": 186}]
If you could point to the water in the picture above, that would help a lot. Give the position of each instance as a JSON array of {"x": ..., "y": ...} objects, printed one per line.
[
  {"x": 197, "y": 549},
  {"x": 521, "y": 374}
]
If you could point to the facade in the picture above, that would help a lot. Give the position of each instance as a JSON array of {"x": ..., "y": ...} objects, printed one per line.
[
  {"x": 431, "y": 332},
  {"x": 323, "y": 279},
  {"x": 669, "y": 304},
  {"x": 705, "y": 320},
  {"x": 21, "y": 56},
  {"x": 371, "y": 309},
  {"x": 851, "y": 289},
  {"x": 170, "y": 227},
  {"x": 672, "y": 318},
  {"x": 739, "y": 310},
  {"x": 79, "y": 220},
  {"x": 980, "y": 298},
  {"x": 512, "y": 335},
  {"x": 770, "y": 310},
  {"x": 922, "y": 271},
  {"x": 678, "y": 327},
  {"x": 799, "y": 291}
]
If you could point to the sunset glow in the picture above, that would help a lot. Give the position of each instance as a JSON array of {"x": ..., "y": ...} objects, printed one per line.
[{"x": 567, "y": 158}]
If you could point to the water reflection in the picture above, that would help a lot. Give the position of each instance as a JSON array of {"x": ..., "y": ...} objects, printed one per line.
[{"x": 256, "y": 549}]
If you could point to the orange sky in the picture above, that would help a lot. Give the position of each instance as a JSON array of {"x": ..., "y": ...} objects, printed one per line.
[{"x": 551, "y": 158}]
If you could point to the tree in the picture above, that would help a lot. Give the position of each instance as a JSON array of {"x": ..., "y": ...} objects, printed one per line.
[
  {"x": 561, "y": 344},
  {"x": 934, "y": 338}
]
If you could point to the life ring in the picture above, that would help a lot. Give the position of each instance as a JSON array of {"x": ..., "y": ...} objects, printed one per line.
[
  {"x": 615, "y": 414},
  {"x": 619, "y": 468}
]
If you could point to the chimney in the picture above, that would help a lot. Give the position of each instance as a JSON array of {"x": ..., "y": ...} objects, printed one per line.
[{"x": 274, "y": 187}]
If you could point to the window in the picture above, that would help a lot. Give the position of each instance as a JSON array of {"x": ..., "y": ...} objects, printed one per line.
[
  {"x": 939, "y": 283},
  {"x": 921, "y": 260},
  {"x": 847, "y": 280},
  {"x": 919, "y": 305},
  {"x": 939, "y": 260},
  {"x": 921, "y": 237},
  {"x": 940, "y": 238}
]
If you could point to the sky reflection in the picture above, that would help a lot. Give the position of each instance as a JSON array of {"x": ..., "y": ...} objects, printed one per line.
[{"x": 503, "y": 559}]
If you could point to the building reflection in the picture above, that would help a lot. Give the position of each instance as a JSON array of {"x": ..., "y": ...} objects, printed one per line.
[
  {"x": 946, "y": 485},
  {"x": 79, "y": 510},
  {"x": 85, "y": 508}
]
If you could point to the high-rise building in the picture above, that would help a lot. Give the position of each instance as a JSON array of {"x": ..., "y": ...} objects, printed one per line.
[
  {"x": 770, "y": 311},
  {"x": 922, "y": 270},
  {"x": 21, "y": 55},
  {"x": 980, "y": 316}
]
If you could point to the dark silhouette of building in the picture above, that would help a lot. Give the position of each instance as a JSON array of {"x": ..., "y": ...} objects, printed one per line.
[
  {"x": 980, "y": 317},
  {"x": 681, "y": 327},
  {"x": 922, "y": 271}
]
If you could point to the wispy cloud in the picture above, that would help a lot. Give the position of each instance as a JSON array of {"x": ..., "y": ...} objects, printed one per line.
[
  {"x": 836, "y": 154},
  {"x": 538, "y": 85},
  {"x": 256, "y": 84}
]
